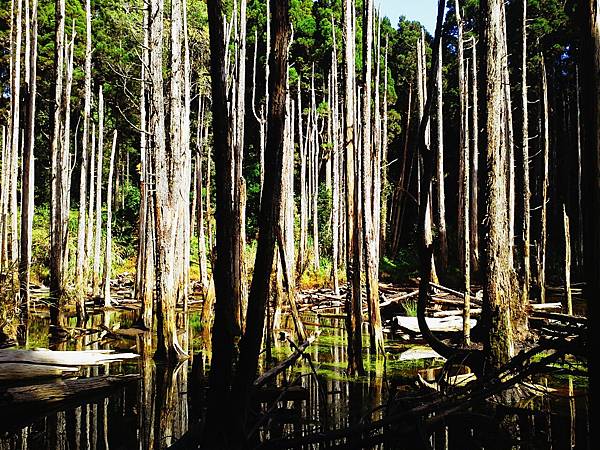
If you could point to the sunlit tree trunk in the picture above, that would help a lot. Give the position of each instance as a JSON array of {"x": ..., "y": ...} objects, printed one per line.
[
  {"x": 108, "y": 246},
  {"x": 99, "y": 167},
  {"x": 368, "y": 156},
  {"x": 474, "y": 208},
  {"x": 353, "y": 298},
  {"x": 335, "y": 163},
  {"x": 87, "y": 102},
  {"x": 28, "y": 183}
]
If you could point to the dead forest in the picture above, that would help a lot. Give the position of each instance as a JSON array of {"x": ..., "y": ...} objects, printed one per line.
[{"x": 298, "y": 224}]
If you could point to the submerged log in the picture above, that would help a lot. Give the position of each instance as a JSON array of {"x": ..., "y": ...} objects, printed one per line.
[
  {"x": 437, "y": 324},
  {"x": 63, "y": 358},
  {"x": 25, "y": 404}
]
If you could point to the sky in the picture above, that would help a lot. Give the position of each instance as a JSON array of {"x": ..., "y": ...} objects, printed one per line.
[{"x": 422, "y": 10}]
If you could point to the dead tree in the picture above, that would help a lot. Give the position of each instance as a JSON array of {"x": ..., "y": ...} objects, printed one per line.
[
  {"x": 474, "y": 207},
  {"x": 28, "y": 183},
  {"x": 353, "y": 300},
  {"x": 108, "y": 246},
  {"x": 441, "y": 190},
  {"x": 369, "y": 239},
  {"x": 99, "y": 167},
  {"x": 87, "y": 103},
  {"x": 545, "y": 183},
  {"x": 526, "y": 197}
]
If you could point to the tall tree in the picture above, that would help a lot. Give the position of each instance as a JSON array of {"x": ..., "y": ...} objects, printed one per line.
[
  {"x": 441, "y": 189},
  {"x": 28, "y": 181},
  {"x": 353, "y": 297}
]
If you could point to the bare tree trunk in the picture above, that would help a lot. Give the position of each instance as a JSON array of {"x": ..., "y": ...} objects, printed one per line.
[
  {"x": 498, "y": 286},
  {"x": 466, "y": 232},
  {"x": 89, "y": 240},
  {"x": 223, "y": 332},
  {"x": 463, "y": 166},
  {"x": 475, "y": 166},
  {"x": 353, "y": 300},
  {"x": 369, "y": 240},
  {"x": 335, "y": 163},
  {"x": 4, "y": 201},
  {"x": 270, "y": 210},
  {"x": 545, "y": 182},
  {"x": 15, "y": 132},
  {"x": 108, "y": 247},
  {"x": 81, "y": 229},
  {"x": 526, "y": 214},
  {"x": 58, "y": 228},
  {"x": 314, "y": 168},
  {"x": 568, "y": 294},
  {"x": 99, "y": 166},
  {"x": 28, "y": 184},
  {"x": 203, "y": 263},
  {"x": 441, "y": 191},
  {"x": 384, "y": 159},
  {"x": 303, "y": 194},
  {"x": 580, "y": 225}
]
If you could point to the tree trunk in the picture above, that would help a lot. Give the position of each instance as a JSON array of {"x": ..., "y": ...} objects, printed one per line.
[
  {"x": 270, "y": 209},
  {"x": 441, "y": 191},
  {"x": 221, "y": 371},
  {"x": 353, "y": 299},
  {"x": 545, "y": 182},
  {"x": 28, "y": 184},
  {"x": 108, "y": 247},
  {"x": 335, "y": 164},
  {"x": 525, "y": 212},
  {"x": 498, "y": 285},
  {"x": 474, "y": 222},
  {"x": 369, "y": 239},
  {"x": 99, "y": 167},
  {"x": 81, "y": 228},
  {"x": 568, "y": 295},
  {"x": 58, "y": 229}
]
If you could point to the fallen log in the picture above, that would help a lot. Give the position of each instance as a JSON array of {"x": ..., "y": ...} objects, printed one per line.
[
  {"x": 442, "y": 324},
  {"x": 262, "y": 380},
  {"x": 63, "y": 358},
  {"x": 474, "y": 299},
  {"x": 28, "y": 372},
  {"x": 24, "y": 404}
]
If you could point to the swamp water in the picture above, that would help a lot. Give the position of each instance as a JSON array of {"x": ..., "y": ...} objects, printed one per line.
[{"x": 159, "y": 408}]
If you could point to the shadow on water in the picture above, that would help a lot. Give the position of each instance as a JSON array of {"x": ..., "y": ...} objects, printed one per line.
[{"x": 165, "y": 402}]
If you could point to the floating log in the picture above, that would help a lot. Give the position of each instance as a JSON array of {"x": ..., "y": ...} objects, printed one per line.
[
  {"x": 454, "y": 312},
  {"x": 25, "y": 404},
  {"x": 28, "y": 372},
  {"x": 63, "y": 358},
  {"x": 415, "y": 353},
  {"x": 442, "y": 324},
  {"x": 540, "y": 306}
]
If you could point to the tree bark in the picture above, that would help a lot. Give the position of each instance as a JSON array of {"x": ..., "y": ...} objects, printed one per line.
[
  {"x": 441, "y": 191},
  {"x": 108, "y": 246},
  {"x": 353, "y": 297},
  {"x": 99, "y": 167},
  {"x": 498, "y": 285},
  {"x": 28, "y": 184},
  {"x": 545, "y": 183}
]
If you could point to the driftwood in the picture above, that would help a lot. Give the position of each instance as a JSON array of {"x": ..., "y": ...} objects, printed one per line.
[
  {"x": 262, "y": 380},
  {"x": 415, "y": 353},
  {"x": 27, "y": 372},
  {"x": 442, "y": 324},
  {"x": 24, "y": 404},
  {"x": 63, "y": 358}
]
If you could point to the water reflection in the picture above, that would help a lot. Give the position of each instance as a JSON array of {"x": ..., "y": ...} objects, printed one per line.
[{"x": 158, "y": 410}]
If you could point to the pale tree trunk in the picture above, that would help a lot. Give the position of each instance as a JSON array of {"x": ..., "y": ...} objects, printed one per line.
[
  {"x": 3, "y": 201},
  {"x": 169, "y": 170},
  {"x": 526, "y": 198},
  {"x": 441, "y": 191},
  {"x": 545, "y": 182},
  {"x": 108, "y": 246},
  {"x": 475, "y": 165},
  {"x": 369, "y": 239},
  {"x": 384, "y": 158},
  {"x": 145, "y": 262},
  {"x": 203, "y": 263},
  {"x": 568, "y": 294},
  {"x": 353, "y": 300},
  {"x": 99, "y": 166},
  {"x": 81, "y": 229},
  {"x": 467, "y": 203},
  {"x": 314, "y": 172},
  {"x": 28, "y": 184},
  {"x": 499, "y": 284},
  {"x": 15, "y": 132},
  {"x": 302, "y": 247},
  {"x": 580, "y": 225},
  {"x": 89, "y": 240},
  {"x": 335, "y": 163},
  {"x": 463, "y": 167},
  {"x": 58, "y": 228}
]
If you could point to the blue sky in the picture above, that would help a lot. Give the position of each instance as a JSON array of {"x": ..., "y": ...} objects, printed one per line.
[{"x": 422, "y": 10}]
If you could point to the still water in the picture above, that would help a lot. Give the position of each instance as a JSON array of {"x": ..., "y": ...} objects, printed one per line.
[{"x": 157, "y": 409}]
